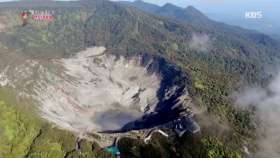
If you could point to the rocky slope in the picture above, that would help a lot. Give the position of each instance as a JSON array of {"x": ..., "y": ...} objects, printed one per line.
[{"x": 94, "y": 91}]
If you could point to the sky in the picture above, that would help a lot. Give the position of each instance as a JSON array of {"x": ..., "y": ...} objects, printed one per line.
[
  {"x": 202, "y": 2},
  {"x": 229, "y": 7},
  {"x": 207, "y": 2},
  {"x": 185, "y": 3}
]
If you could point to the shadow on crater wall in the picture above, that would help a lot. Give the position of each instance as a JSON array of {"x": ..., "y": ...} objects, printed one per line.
[{"x": 163, "y": 112}]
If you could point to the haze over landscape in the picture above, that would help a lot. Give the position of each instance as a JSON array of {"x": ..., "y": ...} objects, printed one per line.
[
  {"x": 140, "y": 79},
  {"x": 234, "y": 12}
]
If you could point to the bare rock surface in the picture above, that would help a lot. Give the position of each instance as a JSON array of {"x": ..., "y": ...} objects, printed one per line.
[{"x": 91, "y": 91}]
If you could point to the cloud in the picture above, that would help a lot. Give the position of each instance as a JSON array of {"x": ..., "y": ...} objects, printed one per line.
[
  {"x": 200, "y": 42},
  {"x": 212, "y": 124},
  {"x": 267, "y": 101}
]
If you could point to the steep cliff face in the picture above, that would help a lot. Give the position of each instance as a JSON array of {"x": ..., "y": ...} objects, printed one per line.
[{"x": 95, "y": 91}]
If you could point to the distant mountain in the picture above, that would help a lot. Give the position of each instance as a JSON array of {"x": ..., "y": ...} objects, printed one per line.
[
  {"x": 170, "y": 10},
  {"x": 189, "y": 14},
  {"x": 143, "y": 5},
  {"x": 276, "y": 36}
]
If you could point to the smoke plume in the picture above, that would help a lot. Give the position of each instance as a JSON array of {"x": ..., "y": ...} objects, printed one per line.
[
  {"x": 200, "y": 42},
  {"x": 267, "y": 102},
  {"x": 218, "y": 127}
]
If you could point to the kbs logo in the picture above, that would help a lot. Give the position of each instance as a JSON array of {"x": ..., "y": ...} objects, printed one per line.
[{"x": 253, "y": 15}]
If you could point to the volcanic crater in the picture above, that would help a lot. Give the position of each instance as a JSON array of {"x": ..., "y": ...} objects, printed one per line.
[{"x": 96, "y": 91}]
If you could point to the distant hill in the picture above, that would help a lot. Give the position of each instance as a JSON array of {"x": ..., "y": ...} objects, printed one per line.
[
  {"x": 189, "y": 14},
  {"x": 276, "y": 36},
  {"x": 143, "y": 5}
]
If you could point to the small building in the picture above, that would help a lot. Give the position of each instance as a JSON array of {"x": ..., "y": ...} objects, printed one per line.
[
  {"x": 191, "y": 125},
  {"x": 186, "y": 124},
  {"x": 179, "y": 129}
]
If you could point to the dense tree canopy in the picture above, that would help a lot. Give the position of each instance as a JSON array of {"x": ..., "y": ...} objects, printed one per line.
[{"x": 233, "y": 54}]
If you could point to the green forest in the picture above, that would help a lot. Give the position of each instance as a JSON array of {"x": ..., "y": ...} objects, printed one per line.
[{"x": 235, "y": 58}]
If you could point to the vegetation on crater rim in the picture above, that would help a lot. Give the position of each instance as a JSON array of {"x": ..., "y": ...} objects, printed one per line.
[{"x": 213, "y": 75}]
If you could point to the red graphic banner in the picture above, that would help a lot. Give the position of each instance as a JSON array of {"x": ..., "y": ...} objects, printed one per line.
[{"x": 42, "y": 17}]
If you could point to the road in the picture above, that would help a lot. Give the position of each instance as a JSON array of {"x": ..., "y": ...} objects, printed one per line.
[
  {"x": 104, "y": 144},
  {"x": 146, "y": 136}
]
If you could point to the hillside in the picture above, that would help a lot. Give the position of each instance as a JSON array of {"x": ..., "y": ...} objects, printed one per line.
[
  {"x": 276, "y": 36},
  {"x": 143, "y": 5},
  {"x": 190, "y": 15},
  {"x": 212, "y": 73},
  {"x": 228, "y": 33}
]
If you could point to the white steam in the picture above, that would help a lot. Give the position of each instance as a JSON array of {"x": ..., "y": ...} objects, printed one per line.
[
  {"x": 200, "y": 42},
  {"x": 267, "y": 102}
]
